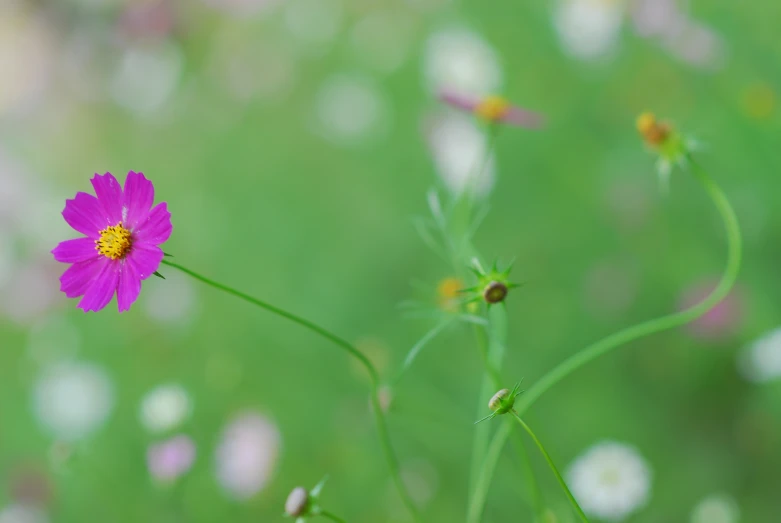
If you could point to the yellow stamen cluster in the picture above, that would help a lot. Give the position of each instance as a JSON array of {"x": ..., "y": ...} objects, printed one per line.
[
  {"x": 115, "y": 242},
  {"x": 654, "y": 133},
  {"x": 492, "y": 108}
]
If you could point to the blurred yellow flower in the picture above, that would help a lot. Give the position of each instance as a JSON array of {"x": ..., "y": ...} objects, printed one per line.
[
  {"x": 759, "y": 101},
  {"x": 448, "y": 294},
  {"x": 654, "y": 133}
]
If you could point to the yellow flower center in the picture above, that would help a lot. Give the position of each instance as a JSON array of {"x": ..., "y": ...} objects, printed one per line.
[
  {"x": 114, "y": 242},
  {"x": 492, "y": 108},
  {"x": 653, "y": 132}
]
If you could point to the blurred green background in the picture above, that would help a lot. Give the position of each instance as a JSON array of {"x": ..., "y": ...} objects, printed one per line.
[{"x": 294, "y": 140}]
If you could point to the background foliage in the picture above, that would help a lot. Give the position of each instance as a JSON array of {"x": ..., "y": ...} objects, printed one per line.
[{"x": 267, "y": 197}]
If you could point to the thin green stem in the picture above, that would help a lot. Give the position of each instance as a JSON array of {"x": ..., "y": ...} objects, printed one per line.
[
  {"x": 647, "y": 328},
  {"x": 493, "y": 373},
  {"x": 669, "y": 321},
  {"x": 382, "y": 428},
  {"x": 332, "y": 517},
  {"x": 534, "y": 488},
  {"x": 483, "y": 482},
  {"x": 553, "y": 468},
  {"x": 492, "y": 356}
]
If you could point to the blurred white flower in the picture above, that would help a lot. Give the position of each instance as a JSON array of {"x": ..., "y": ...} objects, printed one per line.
[
  {"x": 247, "y": 455},
  {"x": 459, "y": 149},
  {"x": 22, "y": 514},
  {"x": 610, "y": 481},
  {"x": 7, "y": 258},
  {"x": 460, "y": 60},
  {"x": 381, "y": 40},
  {"x": 172, "y": 301},
  {"x": 351, "y": 109},
  {"x": 314, "y": 23},
  {"x": 28, "y": 282},
  {"x": 246, "y": 69},
  {"x": 26, "y": 58},
  {"x": 421, "y": 479},
  {"x": 147, "y": 77},
  {"x": 170, "y": 459},
  {"x": 760, "y": 362},
  {"x": 33, "y": 291},
  {"x": 17, "y": 193},
  {"x": 165, "y": 407},
  {"x": 716, "y": 508},
  {"x": 72, "y": 400},
  {"x": 588, "y": 29},
  {"x": 428, "y": 5}
]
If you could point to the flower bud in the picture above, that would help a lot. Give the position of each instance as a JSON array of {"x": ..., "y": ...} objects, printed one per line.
[
  {"x": 654, "y": 133},
  {"x": 502, "y": 402},
  {"x": 297, "y": 502},
  {"x": 495, "y": 292},
  {"x": 671, "y": 147},
  {"x": 492, "y": 286},
  {"x": 495, "y": 403}
]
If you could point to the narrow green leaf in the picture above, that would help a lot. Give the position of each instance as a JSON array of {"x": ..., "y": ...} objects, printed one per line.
[{"x": 422, "y": 342}]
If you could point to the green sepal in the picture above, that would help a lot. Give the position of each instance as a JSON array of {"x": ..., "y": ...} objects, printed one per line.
[
  {"x": 156, "y": 273},
  {"x": 317, "y": 489}
]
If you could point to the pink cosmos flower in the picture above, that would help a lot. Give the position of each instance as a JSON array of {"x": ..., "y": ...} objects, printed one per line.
[
  {"x": 722, "y": 320},
  {"x": 171, "y": 458},
  {"x": 494, "y": 109},
  {"x": 123, "y": 233}
]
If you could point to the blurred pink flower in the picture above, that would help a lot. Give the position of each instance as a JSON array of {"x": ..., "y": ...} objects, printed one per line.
[
  {"x": 696, "y": 44},
  {"x": 30, "y": 485},
  {"x": 493, "y": 109},
  {"x": 655, "y": 17},
  {"x": 685, "y": 38},
  {"x": 721, "y": 321},
  {"x": 247, "y": 454},
  {"x": 171, "y": 458},
  {"x": 243, "y": 8},
  {"x": 149, "y": 19}
]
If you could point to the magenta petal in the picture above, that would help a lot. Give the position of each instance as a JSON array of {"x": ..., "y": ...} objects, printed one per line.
[
  {"x": 109, "y": 192},
  {"x": 145, "y": 258},
  {"x": 157, "y": 227},
  {"x": 72, "y": 251},
  {"x": 75, "y": 281},
  {"x": 139, "y": 194},
  {"x": 129, "y": 286},
  {"x": 523, "y": 118},
  {"x": 102, "y": 289},
  {"x": 85, "y": 214},
  {"x": 461, "y": 101}
]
